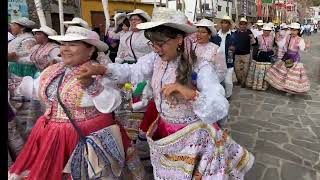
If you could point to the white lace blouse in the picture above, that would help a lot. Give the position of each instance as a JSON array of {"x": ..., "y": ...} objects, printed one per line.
[
  {"x": 210, "y": 106},
  {"x": 106, "y": 101},
  {"x": 22, "y": 45},
  {"x": 209, "y": 52},
  {"x": 138, "y": 44}
]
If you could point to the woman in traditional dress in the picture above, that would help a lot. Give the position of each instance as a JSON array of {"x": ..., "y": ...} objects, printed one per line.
[
  {"x": 54, "y": 137},
  {"x": 20, "y": 48},
  {"x": 289, "y": 74},
  {"x": 262, "y": 62},
  {"x": 46, "y": 52},
  {"x": 185, "y": 142},
  {"x": 121, "y": 22},
  {"x": 133, "y": 44},
  {"x": 207, "y": 51},
  {"x": 280, "y": 37}
]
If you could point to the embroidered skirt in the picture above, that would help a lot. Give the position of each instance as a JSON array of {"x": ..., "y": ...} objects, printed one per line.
[
  {"x": 24, "y": 69},
  {"x": 49, "y": 147},
  {"x": 292, "y": 80},
  {"x": 200, "y": 150},
  {"x": 256, "y": 74}
]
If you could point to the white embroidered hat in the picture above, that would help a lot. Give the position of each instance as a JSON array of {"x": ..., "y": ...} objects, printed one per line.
[
  {"x": 243, "y": 19},
  {"x": 47, "y": 30},
  {"x": 206, "y": 23},
  {"x": 260, "y": 23},
  {"x": 168, "y": 17},
  {"x": 141, "y": 13},
  {"x": 76, "y": 33},
  {"x": 77, "y": 21},
  {"x": 295, "y": 26},
  {"x": 267, "y": 27},
  {"x": 23, "y": 21},
  {"x": 119, "y": 18}
]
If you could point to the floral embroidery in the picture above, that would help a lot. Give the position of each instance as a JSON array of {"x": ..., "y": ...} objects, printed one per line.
[{"x": 71, "y": 94}]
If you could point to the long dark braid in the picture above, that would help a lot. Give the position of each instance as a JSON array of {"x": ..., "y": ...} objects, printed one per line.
[{"x": 186, "y": 53}]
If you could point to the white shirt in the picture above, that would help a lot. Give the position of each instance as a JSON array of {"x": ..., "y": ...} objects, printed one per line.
[{"x": 223, "y": 42}]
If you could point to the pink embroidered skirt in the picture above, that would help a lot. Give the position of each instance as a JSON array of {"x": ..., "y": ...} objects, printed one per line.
[
  {"x": 197, "y": 149},
  {"x": 165, "y": 129},
  {"x": 292, "y": 80},
  {"x": 49, "y": 147}
]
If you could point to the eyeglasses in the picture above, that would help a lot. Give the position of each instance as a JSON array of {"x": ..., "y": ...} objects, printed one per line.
[{"x": 158, "y": 44}]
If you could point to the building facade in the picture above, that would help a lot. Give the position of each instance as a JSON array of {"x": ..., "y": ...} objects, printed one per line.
[
  {"x": 245, "y": 8},
  {"x": 71, "y": 9},
  {"x": 92, "y": 10}
]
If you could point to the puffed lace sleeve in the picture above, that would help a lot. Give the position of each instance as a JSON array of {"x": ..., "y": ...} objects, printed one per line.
[
  {"x": 302, "y": 45},
  {"x": 220, "y": 64},
  {"x": 211, "y": 105},
  {"x": 26, "y": 46},
  {"x": 28, "y": 87},
  {"x": 134, "y": 73},
  {"x": 102, "y": 94},
  {"x": 121, "y": 52}
]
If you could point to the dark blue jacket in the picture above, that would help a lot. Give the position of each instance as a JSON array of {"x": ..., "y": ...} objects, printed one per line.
[{"x": 229, "y": 41}]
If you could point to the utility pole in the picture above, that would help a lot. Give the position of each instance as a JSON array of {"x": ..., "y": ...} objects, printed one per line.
[
  {"x": 228, "y": 8},
  {"x": 212, "y": 11},
  {"x": 61, "y": 17},
  {"x": 236, "y": 8},
  {"x": 40, "y": 12}
]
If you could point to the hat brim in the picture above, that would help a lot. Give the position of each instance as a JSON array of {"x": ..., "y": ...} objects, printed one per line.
[
  {"x": 101, "y": 46},
  {"x": 141, "y": 14},
  {"x": 266, "y": 29},
  {"x": 70, "y": 23},
  {"x": 39, "y": 30},
  {"x": 260, "y": 24},
  {"x": 24, "y": 25},
  {"x": 183, "y": 27}
]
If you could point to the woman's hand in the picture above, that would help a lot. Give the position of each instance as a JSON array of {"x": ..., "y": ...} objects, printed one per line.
[
  {"x": 88, "y": 70},
  {"x": 177, "y": 89}
]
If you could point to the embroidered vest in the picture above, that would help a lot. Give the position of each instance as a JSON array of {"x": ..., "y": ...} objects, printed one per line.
[
  {"x": 71, "y": 95},
  {"x": 39, "y": 55}
]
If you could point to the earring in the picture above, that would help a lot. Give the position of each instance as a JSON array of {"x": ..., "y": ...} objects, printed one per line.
[{"x": 179, "y": 47}]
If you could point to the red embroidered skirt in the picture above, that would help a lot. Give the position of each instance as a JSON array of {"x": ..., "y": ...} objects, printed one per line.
[{"x": 49, "y": 147}]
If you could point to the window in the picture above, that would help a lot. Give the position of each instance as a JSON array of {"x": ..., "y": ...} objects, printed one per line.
[
  {"x": 219, "y": 8},
  {"x": 227, "y": 10}
]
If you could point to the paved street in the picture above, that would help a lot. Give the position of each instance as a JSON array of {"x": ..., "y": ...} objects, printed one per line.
[{"x": 283, "y": 132}]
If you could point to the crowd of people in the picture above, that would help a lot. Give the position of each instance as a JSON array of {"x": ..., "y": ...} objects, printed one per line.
[{"x": 154, "y": 93}]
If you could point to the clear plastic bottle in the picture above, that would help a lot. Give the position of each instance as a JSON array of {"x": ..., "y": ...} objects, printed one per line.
[{"x": 127, "y": 96}]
